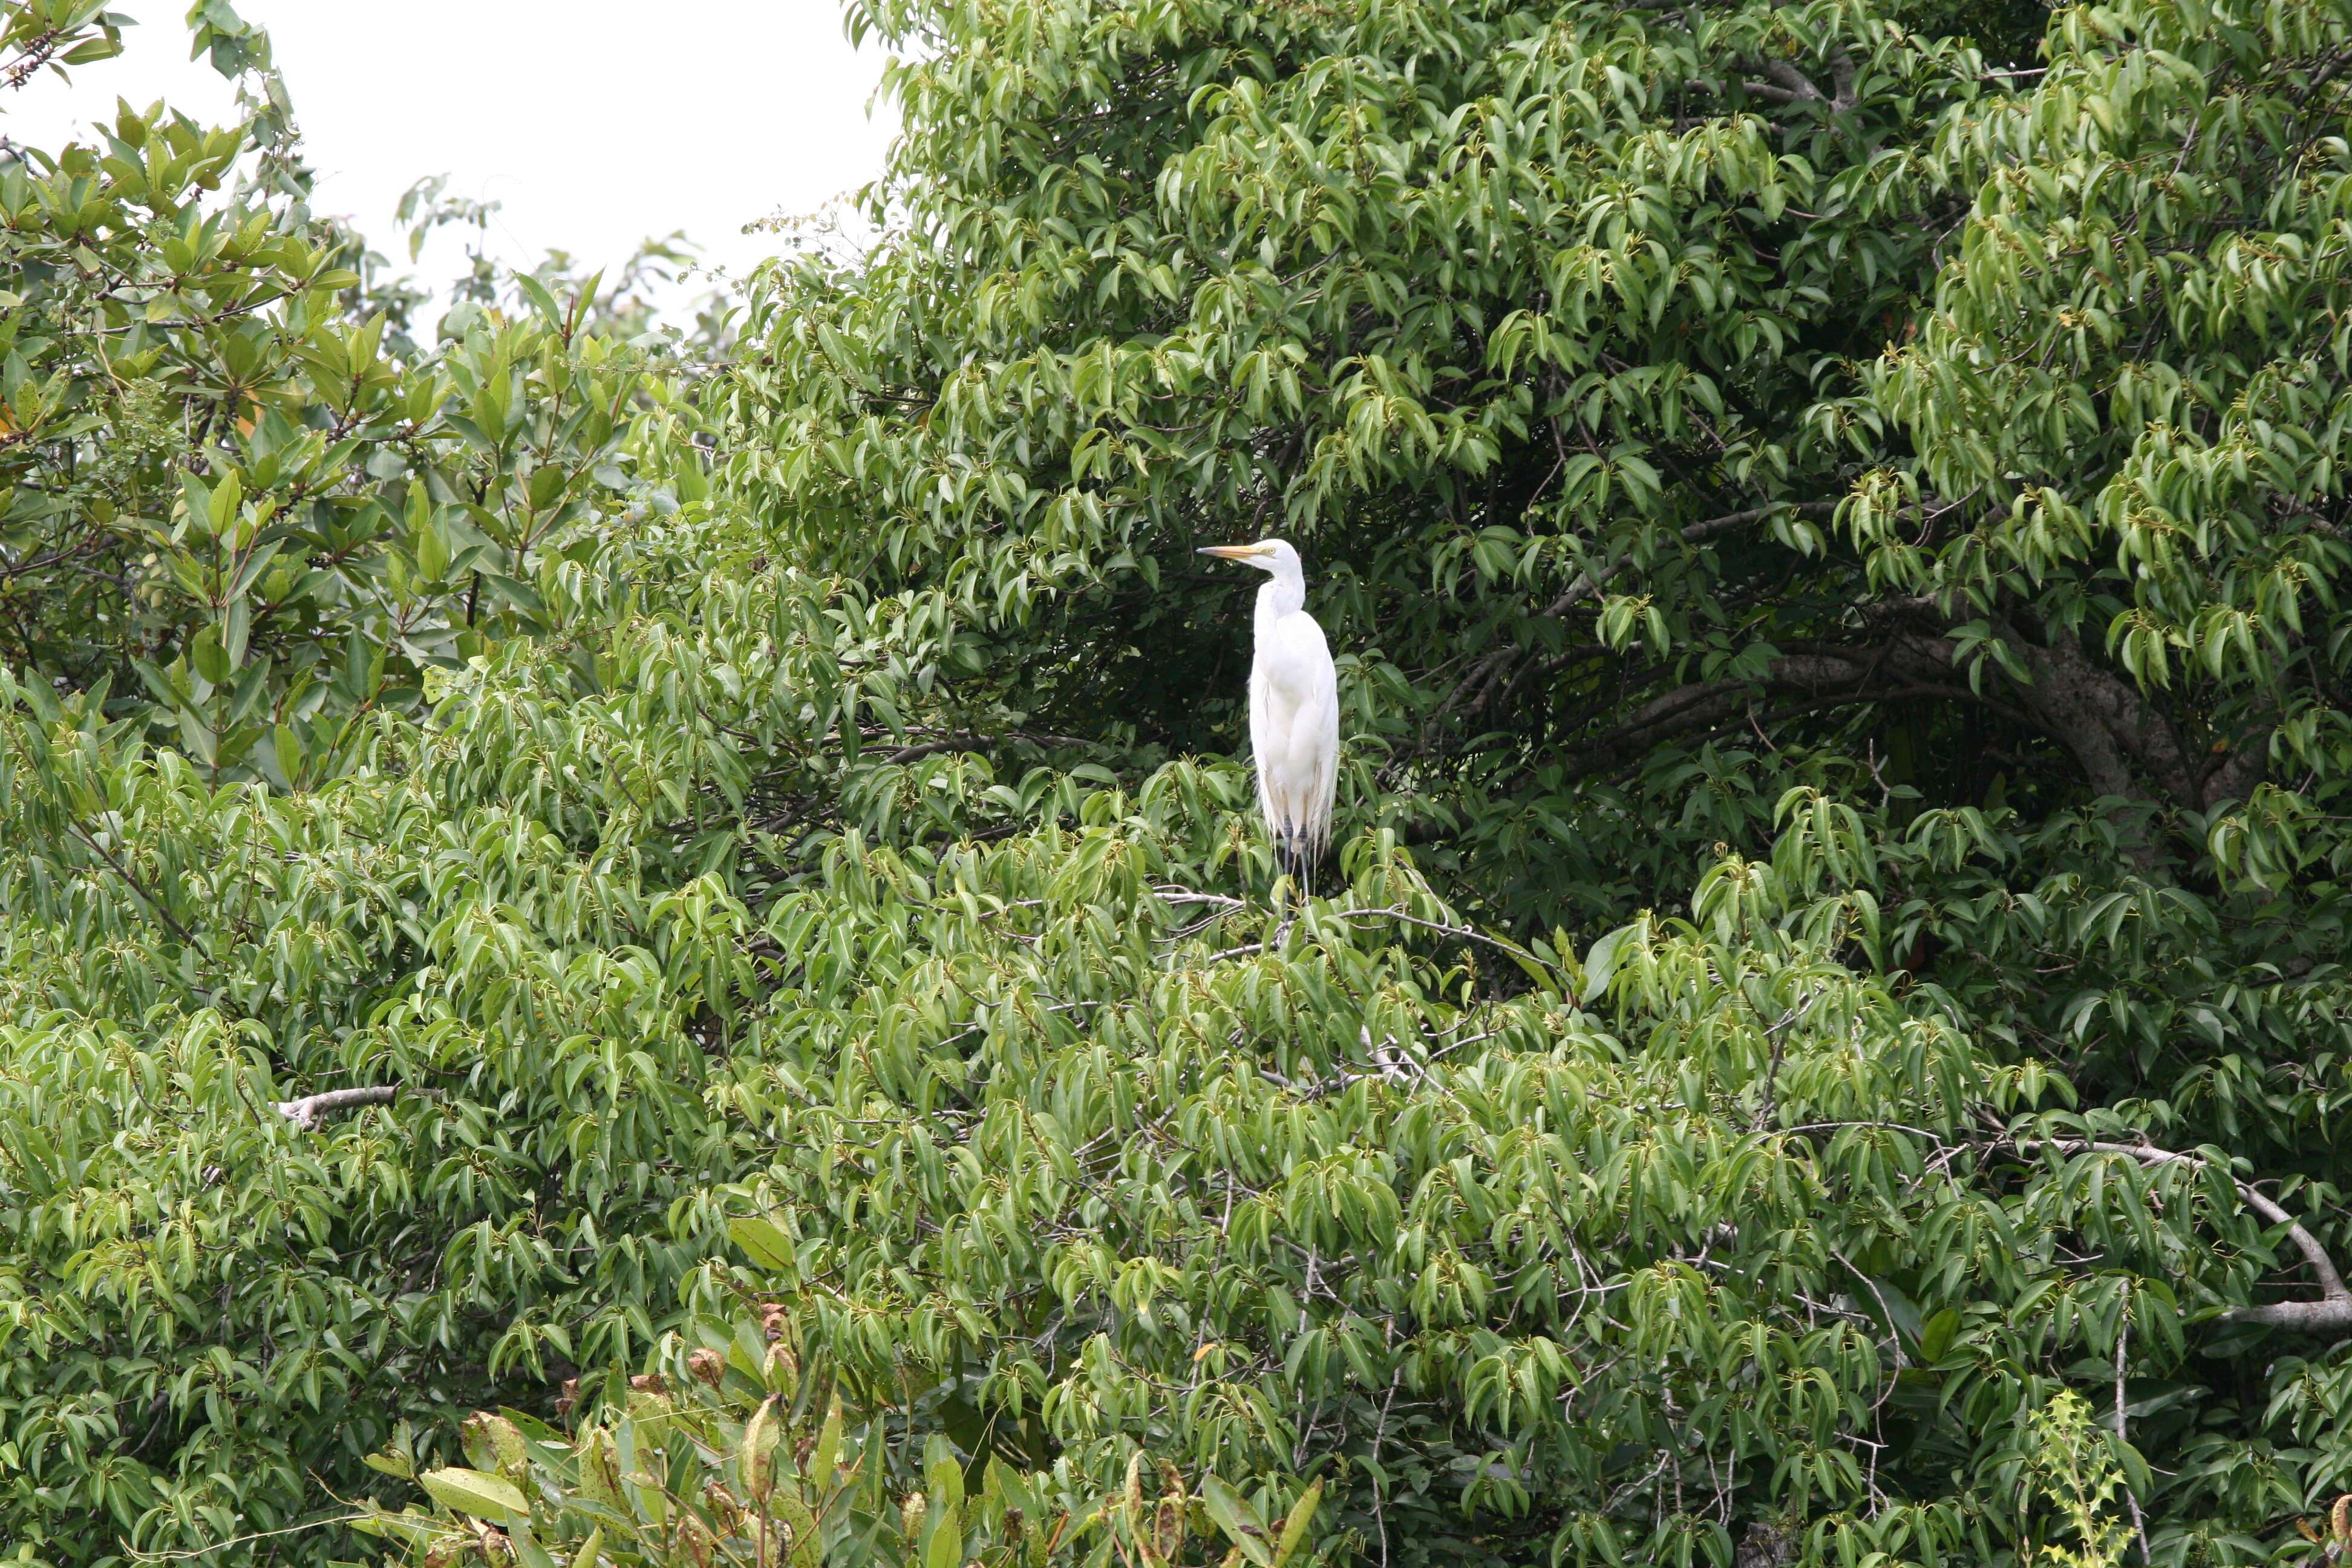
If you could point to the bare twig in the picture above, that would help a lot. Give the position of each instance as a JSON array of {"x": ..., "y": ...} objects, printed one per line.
[
  {"x": 1178, "y": 896},
  {"x": 2123, "y": 1433},
  {"x": 1465, "y": 933},
  {"x": 182, "y": 1556}
]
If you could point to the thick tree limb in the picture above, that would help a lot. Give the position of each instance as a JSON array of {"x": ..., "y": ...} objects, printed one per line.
[
  {"x": 2332, "y": 1313},
  {"x": 2127, "y": 746},
  {"x": 1843, "y": 100},
  {"x": 2099, "y": 717},
  {"x": 2233, "y": 777},
  {"x": 2121, "y": 741},
  {"x": 306, "y": 1112},
  {"x": 1902, "y": 667},
  {"x": 2124, "y": 744}
]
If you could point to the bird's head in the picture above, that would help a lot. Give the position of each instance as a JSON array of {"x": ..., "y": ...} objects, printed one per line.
[{"x": 1266, "y": 554}]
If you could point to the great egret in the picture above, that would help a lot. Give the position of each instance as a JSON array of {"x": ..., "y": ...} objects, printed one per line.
[{"x": 1294, "y": 709}]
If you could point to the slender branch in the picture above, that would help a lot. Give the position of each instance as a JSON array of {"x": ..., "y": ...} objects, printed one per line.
[
  {"x": 2122, "y": 1432},
  {"x": 32, "y": 55},
  {"x": 185, "y": 1555},
  {"x": 1465, "y": 933},
  {"x": 136, "y": 886},
  {"x": 1175, "y": 895},
  {"x": 906, "y": 755}
]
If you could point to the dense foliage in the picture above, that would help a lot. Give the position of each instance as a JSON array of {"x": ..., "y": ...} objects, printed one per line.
[
  {"x": 237, "y": 493},
  {"x": 735, "y": 1452},
  {"x": 524, "y": 851}
]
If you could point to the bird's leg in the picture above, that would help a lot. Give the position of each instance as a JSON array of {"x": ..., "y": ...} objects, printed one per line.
[{"x": 1290, "y": 902}]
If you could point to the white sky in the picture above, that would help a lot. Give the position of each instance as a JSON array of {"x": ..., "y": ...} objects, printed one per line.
[{"x": 594, "y": 123}]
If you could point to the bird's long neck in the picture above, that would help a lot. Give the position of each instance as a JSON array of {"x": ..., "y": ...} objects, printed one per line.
[{"x": 1283, "y": 593}]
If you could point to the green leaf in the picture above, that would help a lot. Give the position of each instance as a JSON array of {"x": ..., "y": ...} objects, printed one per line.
[
  {"x": 286, "y": 748},
  {"x": 766, "y": 1244},
  {"x": 759, "y": 1450},
  {"x": 1601, "y": 961},
  {"x": 1936, "y": 1334},
  {"x": 208, "y": 658},
  {"x": 226, "y": 498},
  {"x": 42, "y": 700},
  {"x": 432, "y": 554},
  {"x": 488, "y": 1496},
  {"x": 542, "y": 300},
  {"x": 236, "y": 627},
  {"x": 946, "y": 1547},
  {"x": 1295, "y": 1528},
  {"x": 1238, "y": 1520},
  {"x": 827, "y": 1453},
  {"x": 807, "y": 1536}
]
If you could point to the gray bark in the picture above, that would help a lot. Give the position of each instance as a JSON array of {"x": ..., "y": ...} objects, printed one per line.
[{"x": 306, "y": 1112}]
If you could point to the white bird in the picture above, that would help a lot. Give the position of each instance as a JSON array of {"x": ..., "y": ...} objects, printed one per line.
[{"x": 1294, "y": 709}]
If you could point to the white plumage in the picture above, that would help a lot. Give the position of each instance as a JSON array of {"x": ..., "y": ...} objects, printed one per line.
[{"x": 1293, "y": 708}]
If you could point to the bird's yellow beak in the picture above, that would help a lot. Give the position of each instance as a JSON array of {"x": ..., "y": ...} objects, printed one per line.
[{"x": 1237, "y": 551}]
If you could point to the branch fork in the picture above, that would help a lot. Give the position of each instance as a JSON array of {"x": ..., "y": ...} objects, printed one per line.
[{"x": 1785, "y": 83}]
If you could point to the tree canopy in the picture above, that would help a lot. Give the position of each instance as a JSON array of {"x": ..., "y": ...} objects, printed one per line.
[{"x": 694, "y": 892}]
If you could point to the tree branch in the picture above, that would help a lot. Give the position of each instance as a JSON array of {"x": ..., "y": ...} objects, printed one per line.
[
  {"x": 306, "y": 1112},
  {"x": 1787, "y": 84},
  {"x": 1906, "y": 668},
  {"x": 1843, "y": 98},
  {"x": 1463, "y": 933},
  {"x": 1790, "y": 85},
  {"x": 2332, "y": 1313},
  {"x": 2233, "y": 776},
  {"x": 185, "y": 936},
  {"x": 916, "y": 753}
]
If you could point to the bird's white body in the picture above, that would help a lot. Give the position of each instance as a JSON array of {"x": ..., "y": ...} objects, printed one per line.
[{"x": 1293, "y": 708}]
